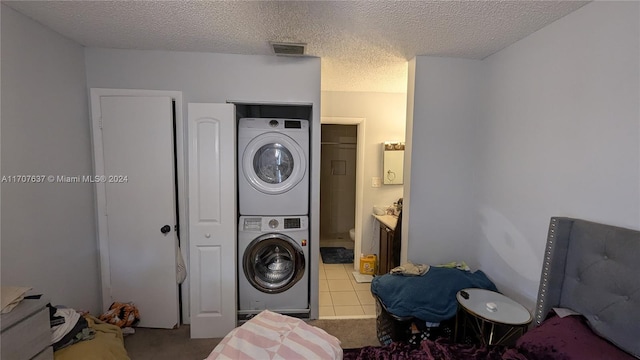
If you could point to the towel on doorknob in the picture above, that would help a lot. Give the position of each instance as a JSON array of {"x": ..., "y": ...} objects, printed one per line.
[{"x": 181, "y": 268}]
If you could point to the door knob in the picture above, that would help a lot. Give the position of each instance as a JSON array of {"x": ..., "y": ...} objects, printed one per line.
[{"x": 165, "y": 229}]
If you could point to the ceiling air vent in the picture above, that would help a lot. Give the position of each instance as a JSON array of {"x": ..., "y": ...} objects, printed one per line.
[{"x": 288, "y": 49}]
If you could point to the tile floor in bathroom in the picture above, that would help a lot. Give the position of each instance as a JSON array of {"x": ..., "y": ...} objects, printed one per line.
[{"x": 341, "y": 296}]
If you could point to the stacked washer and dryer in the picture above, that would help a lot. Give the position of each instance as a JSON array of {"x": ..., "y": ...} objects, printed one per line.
[{"x": 273, "y": 229}]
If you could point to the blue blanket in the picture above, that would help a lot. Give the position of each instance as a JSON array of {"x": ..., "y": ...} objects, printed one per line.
[{"x": 430, "y": 297}]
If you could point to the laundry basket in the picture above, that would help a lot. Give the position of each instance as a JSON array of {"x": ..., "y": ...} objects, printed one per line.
[{"x": 389, "y": 327}]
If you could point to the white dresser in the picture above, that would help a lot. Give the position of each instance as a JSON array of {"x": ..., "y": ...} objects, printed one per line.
[{"x": 25, "y": 332}]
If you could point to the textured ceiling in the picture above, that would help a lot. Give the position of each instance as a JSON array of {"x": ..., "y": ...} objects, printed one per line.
[{"x": 364, "y": 45}]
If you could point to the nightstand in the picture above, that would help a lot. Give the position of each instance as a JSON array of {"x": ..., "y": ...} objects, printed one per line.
[
  {"x": 493, "y": 318},
  {"x": 26, "y": 332}
]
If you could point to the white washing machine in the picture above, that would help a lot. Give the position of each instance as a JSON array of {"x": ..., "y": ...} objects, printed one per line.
[
  {"x": 273, "y": 265},
  {"x": 273, "y": 166}
]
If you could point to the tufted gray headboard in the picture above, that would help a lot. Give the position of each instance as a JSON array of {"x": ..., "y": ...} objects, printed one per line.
[{"x": 594, "y": 269}]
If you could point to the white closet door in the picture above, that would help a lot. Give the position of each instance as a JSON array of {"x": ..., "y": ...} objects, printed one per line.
[
  {"x": 212, "y": 219},
  {"x": 139, "y": 196}
]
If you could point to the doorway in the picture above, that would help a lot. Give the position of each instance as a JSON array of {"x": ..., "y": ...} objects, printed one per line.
[
  {"x": 338, "y": 161},
  {"x": 341, "y": 181}
]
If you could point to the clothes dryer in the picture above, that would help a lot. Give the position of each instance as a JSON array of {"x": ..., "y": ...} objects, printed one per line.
[
  {"x": 273, "y": 166},
  {"x": 273, "y": 265}
]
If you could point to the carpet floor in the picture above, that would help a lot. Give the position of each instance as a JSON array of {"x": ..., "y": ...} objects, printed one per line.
[
  {"x": 352, "y": 333},
  {"x": 162, "y": 344}
]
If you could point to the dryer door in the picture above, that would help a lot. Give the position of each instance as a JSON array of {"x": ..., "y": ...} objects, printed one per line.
[
  {"x": 273, "y": 163},
  {"x": 273, "y": 263}
]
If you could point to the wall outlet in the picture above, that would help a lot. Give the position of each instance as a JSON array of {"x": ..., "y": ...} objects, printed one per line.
[{"x": 376, "y": 181}]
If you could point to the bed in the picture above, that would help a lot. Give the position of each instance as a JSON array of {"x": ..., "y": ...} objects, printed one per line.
[{"x": 589, "y": 268}]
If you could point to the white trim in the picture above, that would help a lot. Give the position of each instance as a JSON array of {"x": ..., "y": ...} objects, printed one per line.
[
  {"x": 360, "y": 122},
  {"x": 98, "y": 165}
]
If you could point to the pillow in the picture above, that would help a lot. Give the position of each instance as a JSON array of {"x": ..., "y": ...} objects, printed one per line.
[
  {"x": 270, "y": 335},
  {"x": 568, "y": 338}
]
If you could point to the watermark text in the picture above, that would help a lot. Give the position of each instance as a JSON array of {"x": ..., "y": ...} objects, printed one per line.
[{"x": 63, "y": 179}]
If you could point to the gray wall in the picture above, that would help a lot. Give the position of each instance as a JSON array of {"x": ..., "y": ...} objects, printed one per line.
[
  {"x": 48, "y": 229},
  {"x": 546, "y": 127},
  {"x": 207, "y": 77},
  {"x": 560, "y": 137},
  {"x": 446, "y": 98}
]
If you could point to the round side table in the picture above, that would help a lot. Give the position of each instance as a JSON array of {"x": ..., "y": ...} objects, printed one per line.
[{"x": 493, "y": 317}]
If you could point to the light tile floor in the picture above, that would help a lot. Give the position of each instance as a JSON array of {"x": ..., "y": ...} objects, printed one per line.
[{"x": 341, "y": 296}]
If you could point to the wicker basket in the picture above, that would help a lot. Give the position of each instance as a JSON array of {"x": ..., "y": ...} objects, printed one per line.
[{"x": 389, "y": 327}]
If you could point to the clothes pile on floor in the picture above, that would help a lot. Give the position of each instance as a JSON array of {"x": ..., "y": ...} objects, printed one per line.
[
  {"x": 123, "y": 315},
  {"x": 68, "y": 327}
]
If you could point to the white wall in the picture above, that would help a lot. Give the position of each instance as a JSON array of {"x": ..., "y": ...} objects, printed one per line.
[
  {"x": 384, "y": 115},
  {"x": 48, "y": 229},
  {"x": 408, "y": 160},
  {"x": 444, "y": 116},
  {"x": 560, "y": 137},
  {"x": 218, "y": 78},
  {"x": 555, "y": 131}
]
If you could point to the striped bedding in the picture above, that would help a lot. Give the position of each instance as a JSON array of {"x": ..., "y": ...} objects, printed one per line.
[{"x": 274, "y": 336}]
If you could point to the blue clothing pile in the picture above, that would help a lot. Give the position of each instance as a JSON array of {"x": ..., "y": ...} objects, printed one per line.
[{"x": 430, "y": 297}]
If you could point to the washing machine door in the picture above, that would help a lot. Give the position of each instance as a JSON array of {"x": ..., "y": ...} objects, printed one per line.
[
  {"x": 273, "y": 263},
  {"x": 273, "y": 163}
]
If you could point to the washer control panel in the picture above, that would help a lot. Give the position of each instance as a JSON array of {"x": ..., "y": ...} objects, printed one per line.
[
  {"x": 273, "y": 223},
  {"x": 292, "y": 223}
]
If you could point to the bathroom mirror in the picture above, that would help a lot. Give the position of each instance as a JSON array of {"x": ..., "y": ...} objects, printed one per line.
[{"x": 393, "y": 162}]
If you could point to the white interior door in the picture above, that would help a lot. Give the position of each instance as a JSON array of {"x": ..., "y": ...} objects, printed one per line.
[
  {"x": 212, "y": 219},
  {"x": 139, "y": 192}
]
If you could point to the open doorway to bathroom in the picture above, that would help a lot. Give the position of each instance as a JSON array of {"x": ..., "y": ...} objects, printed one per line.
[
  {"x": 341, "y": 296},
  {"x": 338, "y": 185}
]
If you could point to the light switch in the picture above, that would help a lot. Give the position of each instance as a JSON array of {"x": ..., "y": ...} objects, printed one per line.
[{"x": 376, "y": 181}]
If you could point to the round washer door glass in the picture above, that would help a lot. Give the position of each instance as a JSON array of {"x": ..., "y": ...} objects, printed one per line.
[
  {"x": 273, "y": 263},
  {"x": 273, "y": 163}
]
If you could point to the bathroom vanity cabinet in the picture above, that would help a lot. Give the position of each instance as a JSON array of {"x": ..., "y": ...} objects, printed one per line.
[{"x": 386, "y": 249}]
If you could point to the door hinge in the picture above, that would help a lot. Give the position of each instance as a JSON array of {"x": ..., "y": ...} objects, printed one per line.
[{"x": 100, "y": 123}]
